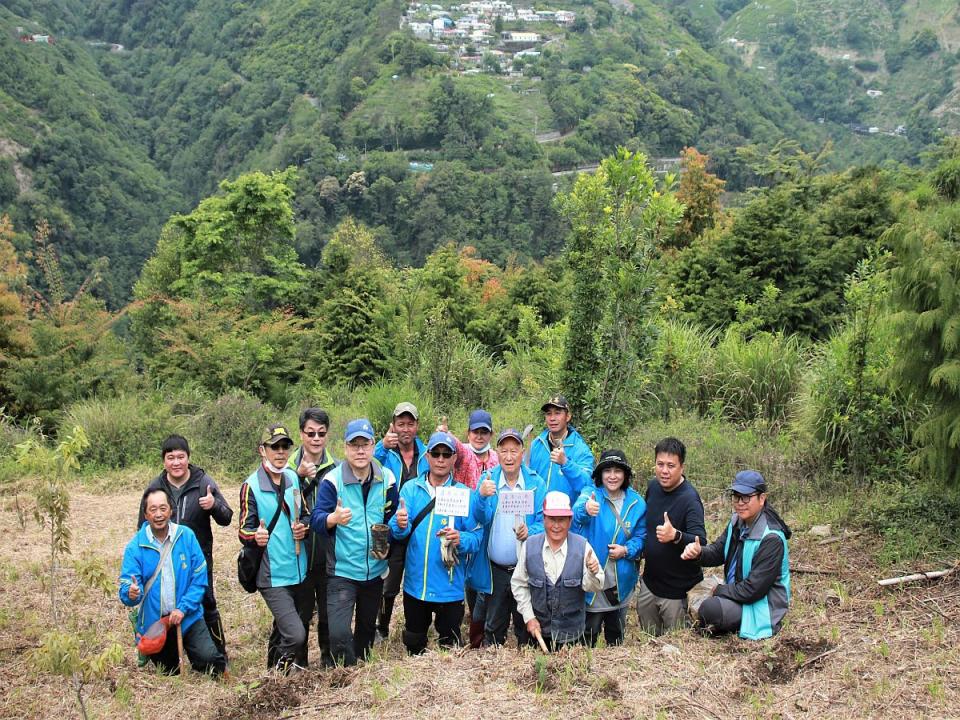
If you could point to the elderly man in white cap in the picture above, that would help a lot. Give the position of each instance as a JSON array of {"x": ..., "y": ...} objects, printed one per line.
[{"x": 555, "y": 571}]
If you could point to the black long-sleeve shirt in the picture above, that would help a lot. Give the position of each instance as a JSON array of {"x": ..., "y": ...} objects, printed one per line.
[
  {"x": 764, "y": 568},
  {"x": 665, "y": 574}
]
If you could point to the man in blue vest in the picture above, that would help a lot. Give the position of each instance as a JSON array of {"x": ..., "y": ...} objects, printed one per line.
[
  {"x": 753, "y": 550},
  {"x": 559, "y": 454},
  {"x": 273, "y": 491},
  {"x": 403, "y": 453},
  {"x": 353, "y": 498},
  {"x": 555, "y": 571}
]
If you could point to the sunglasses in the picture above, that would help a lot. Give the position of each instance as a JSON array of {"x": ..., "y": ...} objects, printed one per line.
[
  {"x": 281, "y": 447},
  {"x": 445, "y": 454},
  {"x": 740, "y": 498},
  {"x": 314, "y": 433}
]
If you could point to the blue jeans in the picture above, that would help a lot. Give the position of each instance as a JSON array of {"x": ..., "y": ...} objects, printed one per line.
[{"x": 357, "y": 602}]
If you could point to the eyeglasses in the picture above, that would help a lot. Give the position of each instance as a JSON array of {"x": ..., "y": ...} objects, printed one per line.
[
  {"x": 740, "y": 498},
  {"x": 446, "y": 455},
  {"x": 314, "y": 433},
  {"x": 365, "y": 445}
]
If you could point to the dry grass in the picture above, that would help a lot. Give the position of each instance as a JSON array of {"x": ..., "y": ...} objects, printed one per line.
[{"x": 849, "y": 649}]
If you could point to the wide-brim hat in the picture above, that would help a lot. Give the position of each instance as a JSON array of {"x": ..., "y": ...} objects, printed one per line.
[{"x": 612, "y": 458}]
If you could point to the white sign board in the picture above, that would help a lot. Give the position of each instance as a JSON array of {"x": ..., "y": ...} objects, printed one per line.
[
  {"x": 453, "y": 501},
  {"x": 518, "y": 502}
]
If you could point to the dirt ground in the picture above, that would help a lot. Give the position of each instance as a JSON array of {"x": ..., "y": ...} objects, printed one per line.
[{"x": 849, "y": 648}]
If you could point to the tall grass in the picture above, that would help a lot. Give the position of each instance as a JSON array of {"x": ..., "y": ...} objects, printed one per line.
[
  {"x": 681, "y": 367},
  {"x": 124, "y": 430},
  {"x": 224, "y": 432},
  {"x": 757, "y": 379}
]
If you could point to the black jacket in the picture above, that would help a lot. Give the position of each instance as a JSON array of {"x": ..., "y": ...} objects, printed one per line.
[
  {"x": 765, "y": 568},
  {"x": 188, "y": 511}
]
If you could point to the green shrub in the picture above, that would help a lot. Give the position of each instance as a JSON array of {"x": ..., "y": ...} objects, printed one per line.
[
  {"x": 124, "y": 430},
  {"x": 379, "y": 400},
  {"x": 861, "y": 425},
  {"x": 756, "y": 379},
  {"x": 533, "y": 364},
  {"x": 224, "y": 433}
]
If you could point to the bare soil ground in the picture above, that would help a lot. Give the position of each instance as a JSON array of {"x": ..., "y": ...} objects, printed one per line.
[{"x": 849, "y": 649}]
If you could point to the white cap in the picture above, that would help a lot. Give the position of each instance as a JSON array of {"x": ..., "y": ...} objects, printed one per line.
[{"x": 557, "y": 504}]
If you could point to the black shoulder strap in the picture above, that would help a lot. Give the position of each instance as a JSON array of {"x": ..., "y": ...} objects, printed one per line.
[
  {"x": 422, "y": 514},
  {"x": 276, "y": 515}
]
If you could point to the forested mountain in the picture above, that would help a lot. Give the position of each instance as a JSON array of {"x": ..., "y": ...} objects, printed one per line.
[{"x": 138, "y": 109}]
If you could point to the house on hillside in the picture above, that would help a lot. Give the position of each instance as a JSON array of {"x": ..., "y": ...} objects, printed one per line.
[
  {"x": 35, "y": 38},
  {"x": 519, "y": 40}
]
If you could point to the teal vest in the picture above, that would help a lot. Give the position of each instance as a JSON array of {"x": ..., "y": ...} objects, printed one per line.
[
  {"x": 757, "y": 620},
  {"x": 281, "y": 566},
  {"x": 352, "y": 543}
]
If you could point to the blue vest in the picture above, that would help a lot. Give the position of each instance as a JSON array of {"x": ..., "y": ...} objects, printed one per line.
[
  {"x": 281, "y": 566},
  {"x": 559, "y": 606},
  {"x": 348, "y": 553},
  {"x": 761, "y": 617}
]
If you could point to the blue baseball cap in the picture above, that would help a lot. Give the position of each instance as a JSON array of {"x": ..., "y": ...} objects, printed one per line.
[
  {"x": 442, "y": 438},
  {"x": 746, "y": 482},
  {"x": 480, "y": 419},
  {"x": 510, "y": 433},
  {"x": 360, "y": 427}
]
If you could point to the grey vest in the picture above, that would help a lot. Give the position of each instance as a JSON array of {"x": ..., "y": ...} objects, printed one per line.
[{"x": 560, "y": 607}]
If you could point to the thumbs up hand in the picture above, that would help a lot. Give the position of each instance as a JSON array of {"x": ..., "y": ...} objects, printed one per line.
[
  {"x": 666, "y": 533},
  {"x": 307, "y": 469},
  {"x": 558, "y": 456},
  {"x": 207, "y": 501},
  {"x": 693, "y": 550},
  {"x": 487, "y": 488},
  {"x": 402, "y": 517},
  {"x": 592, "y": 507},
  {"x": 262, "y": 537},
  {"x": 391, "y": 440},
  {"x": 593, "y": 565},
  {"x": 340, "y": 516},
  {"x": 134, "y": 591},
  {"x": 442, "y": 426}
]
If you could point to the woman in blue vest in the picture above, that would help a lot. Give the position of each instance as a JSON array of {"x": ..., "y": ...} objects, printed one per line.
[
  {"x": 753, "y": 551},
  {"x": 612, "y": 517}
]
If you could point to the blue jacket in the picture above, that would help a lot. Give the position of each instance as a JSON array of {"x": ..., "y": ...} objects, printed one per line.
[
  {"x": 604, "y": 530},
  {"x": 140, "y": 559},
  {"x": 392, "y": 461},
  {"x": 479, "y": 572},
  {"x": 280, "y": 566},
  {"x": 348, "y": 547},
  {"x": 425, "y": 577},
  {"x": 570, "y": 478}
]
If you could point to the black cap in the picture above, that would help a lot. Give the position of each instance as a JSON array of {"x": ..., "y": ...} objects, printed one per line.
[
  {"x": 557, "y": 401},
  {"x": 612, "y": 458}
]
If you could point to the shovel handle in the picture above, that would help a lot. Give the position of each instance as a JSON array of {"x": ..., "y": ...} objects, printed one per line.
[
  {"x": 539, "y": 637},
  {"x": 180, "y": 653}
]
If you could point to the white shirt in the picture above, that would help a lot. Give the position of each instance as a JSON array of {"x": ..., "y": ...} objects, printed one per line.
[
  {"x": 553, "y": 562},
  {"x": 168, "y": 578}
]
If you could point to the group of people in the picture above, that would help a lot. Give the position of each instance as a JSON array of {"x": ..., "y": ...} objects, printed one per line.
[{"x": 340, "y": 539}]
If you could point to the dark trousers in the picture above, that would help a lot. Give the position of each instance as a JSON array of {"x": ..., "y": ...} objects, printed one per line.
[
  {"x": 199, "y": 647},
  {"x": 418, "y": 614},
  {"x": 357, "y": 602},
  {"x": 291, "y": 607},
  {"x": 720, "y": 615},
  {"x": 613, "y": 622},
  {"x": 392, "y": 585},
  {"x": 211, "y": 614},
  {"x": 501, "y": 606},
  {"x": 316, "y": 581}
]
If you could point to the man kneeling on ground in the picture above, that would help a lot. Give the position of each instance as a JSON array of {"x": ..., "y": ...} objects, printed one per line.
[
  {"x": 555, "y": 571},
  {"x": 164, "y": 575},
  {"x": 753, "y": 550}
]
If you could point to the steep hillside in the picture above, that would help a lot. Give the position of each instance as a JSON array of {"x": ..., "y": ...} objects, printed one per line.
[{"x": 427, "y": 132}]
